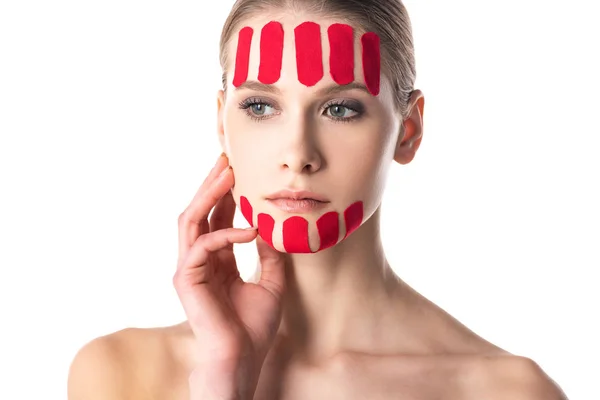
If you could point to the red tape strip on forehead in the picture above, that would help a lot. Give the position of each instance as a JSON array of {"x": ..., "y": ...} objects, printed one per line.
[
  {"x": 341, "y": 54},
  {"x": 309, "y": 53},
  {"x": 271, "y": 52},
  {"x": 371, "y": 61},
  {"x": 242, "y": 57}
]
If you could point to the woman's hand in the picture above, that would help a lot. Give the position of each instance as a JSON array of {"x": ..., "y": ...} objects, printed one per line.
[{"x": 232, "y": 320}]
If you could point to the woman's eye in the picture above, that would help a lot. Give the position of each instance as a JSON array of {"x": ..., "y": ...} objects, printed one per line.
[
  {"x": 338, "y": 111},
  {"x": 259, "y": 108}
]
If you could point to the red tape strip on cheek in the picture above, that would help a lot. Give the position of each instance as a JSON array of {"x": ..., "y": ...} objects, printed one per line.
[
  {"x": 341, "y": 53},
  {"x": 242, "y": 57},
  {"x": 353, "y": 217},
  {"x": 371, "y": 61},
  {"x": 266, "y": 223},
  {"x": 246, "y": 209},
  {"x": 271, "y": 52},
  {"x": 309, "y": 54},
  {"x": 328, "y": 226},
  {"x": 295, "y": 235}
]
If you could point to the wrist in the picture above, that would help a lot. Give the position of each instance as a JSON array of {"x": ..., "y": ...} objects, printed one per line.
[{"x": 224, "y": 380}]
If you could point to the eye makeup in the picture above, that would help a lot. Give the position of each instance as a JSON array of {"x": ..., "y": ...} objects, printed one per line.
[
  {"x": 342, "y": 104},
  {"x": 248, "y": 104}
]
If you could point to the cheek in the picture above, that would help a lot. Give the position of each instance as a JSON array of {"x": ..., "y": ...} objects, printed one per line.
[
  {"x": 247, "y": 173},
  {"x": 248, "y": 156},
  {"x": 360, "y": 175},
  {"x": 356, "y": 162},
  {"x": 252, "y": 145},
  {"x": 238, "y": 135}
]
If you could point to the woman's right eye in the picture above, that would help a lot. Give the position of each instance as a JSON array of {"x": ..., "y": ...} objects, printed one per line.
[
  {"x": 256, "y": 109},
  {"x": 259, "y": 108}
]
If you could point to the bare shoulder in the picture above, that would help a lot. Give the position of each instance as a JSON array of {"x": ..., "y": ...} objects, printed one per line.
[
  {"x": 115, "y": 366},
  {"x": 510, "y": 376},
  {"x": 100, "y": 370}
]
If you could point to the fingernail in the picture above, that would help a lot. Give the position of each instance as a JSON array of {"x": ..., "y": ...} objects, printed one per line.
[{"x": 252, "y": 228}]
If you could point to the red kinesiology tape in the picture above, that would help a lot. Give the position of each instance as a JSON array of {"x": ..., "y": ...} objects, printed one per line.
[
  {"x": 295, "y": 235},
  {"x": 271, "y": 52},
  {"x": 309, "y": 54},
  {"x": 371, "y": 61},
  {"x": 266, "y": 223},
  {"x": 246, "y": 210},
  {"x": 353, "y": 217},
  {"x": 328, "y": 226},
  {"x": 242, "y": 57},
  {"x": 295, "y": 228},
  {"x": 341, "y": 54}
]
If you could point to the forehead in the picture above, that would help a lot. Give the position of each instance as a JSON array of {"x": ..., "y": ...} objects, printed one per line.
[{"x": 304, "y": 50}]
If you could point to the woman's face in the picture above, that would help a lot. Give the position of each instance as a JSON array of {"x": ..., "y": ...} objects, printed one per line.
[{"x": 331, "y": 139}]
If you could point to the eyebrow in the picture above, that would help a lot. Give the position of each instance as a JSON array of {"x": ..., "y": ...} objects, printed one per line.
[{"x": 329, "y": 90}]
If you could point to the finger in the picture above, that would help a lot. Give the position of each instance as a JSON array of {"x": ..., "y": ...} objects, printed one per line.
[
  {"x": 219, "y": 166},
  {"x": 272, "y": 268},
  {"x": 223, "y": 213},
  {"x": 204, "y": 228},
  {"x": 191, "y": 221},
  {"x": 198, "y": 254},
  {"x": 194, "y": 231},
  {"x": 200, "y": 300}
]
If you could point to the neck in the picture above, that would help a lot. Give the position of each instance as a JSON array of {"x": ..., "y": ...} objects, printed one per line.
[{"x": 340, "y": 298}]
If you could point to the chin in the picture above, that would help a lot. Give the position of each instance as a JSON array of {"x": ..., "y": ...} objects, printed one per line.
[{"x": 310, "y": 232}]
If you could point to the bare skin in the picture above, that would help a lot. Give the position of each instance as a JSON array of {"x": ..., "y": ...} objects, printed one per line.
[
  {"x": 405, "y": 345},
  {"x": 346, "y": 326},
  {"x": 451, "y": 363},
  {"x": 399, "y": 344}
]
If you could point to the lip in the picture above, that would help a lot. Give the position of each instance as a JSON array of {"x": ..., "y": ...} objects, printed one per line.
[
  {"x": 297, "y": 206},
  {"x": 301, "y": 201},
  {"x": 297, "y": 195}
]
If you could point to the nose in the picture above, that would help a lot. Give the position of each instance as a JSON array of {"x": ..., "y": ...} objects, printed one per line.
[{"x": 301, "y": 153}]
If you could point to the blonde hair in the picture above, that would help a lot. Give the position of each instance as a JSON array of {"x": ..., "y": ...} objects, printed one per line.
[{"x": 388, "y": 18}]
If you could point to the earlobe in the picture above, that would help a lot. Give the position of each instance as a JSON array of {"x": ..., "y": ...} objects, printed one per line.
[{"x": 411, "y": 132}]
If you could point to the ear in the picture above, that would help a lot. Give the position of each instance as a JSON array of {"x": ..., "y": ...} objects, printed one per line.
[
  {"x": 411, "y": 132},
  {"x": 220, "y": 126}
]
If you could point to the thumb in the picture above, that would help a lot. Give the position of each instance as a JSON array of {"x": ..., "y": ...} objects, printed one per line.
[{"x": 272, "y": 268}]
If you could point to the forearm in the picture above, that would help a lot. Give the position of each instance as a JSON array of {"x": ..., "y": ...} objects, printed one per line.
[{"x": 230, "y": 380}]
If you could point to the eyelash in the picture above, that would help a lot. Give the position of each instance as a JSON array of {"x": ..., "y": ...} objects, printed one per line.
[{"x": 246, "y": 104}]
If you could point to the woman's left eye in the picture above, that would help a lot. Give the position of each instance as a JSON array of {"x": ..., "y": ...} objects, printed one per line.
[{"x": 339, "y": 111}]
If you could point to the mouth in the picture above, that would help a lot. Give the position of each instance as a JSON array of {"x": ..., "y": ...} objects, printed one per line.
[
  {"x": 297, "y": 205},
  {"x": 297, "y": 201},
  {"x": 297, "y": 195}
]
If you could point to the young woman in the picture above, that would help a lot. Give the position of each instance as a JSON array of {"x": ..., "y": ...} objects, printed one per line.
[{"x": 317, "y": 102}]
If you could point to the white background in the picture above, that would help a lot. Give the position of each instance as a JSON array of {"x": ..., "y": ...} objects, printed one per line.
[{"x": 107, "y": 122}]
